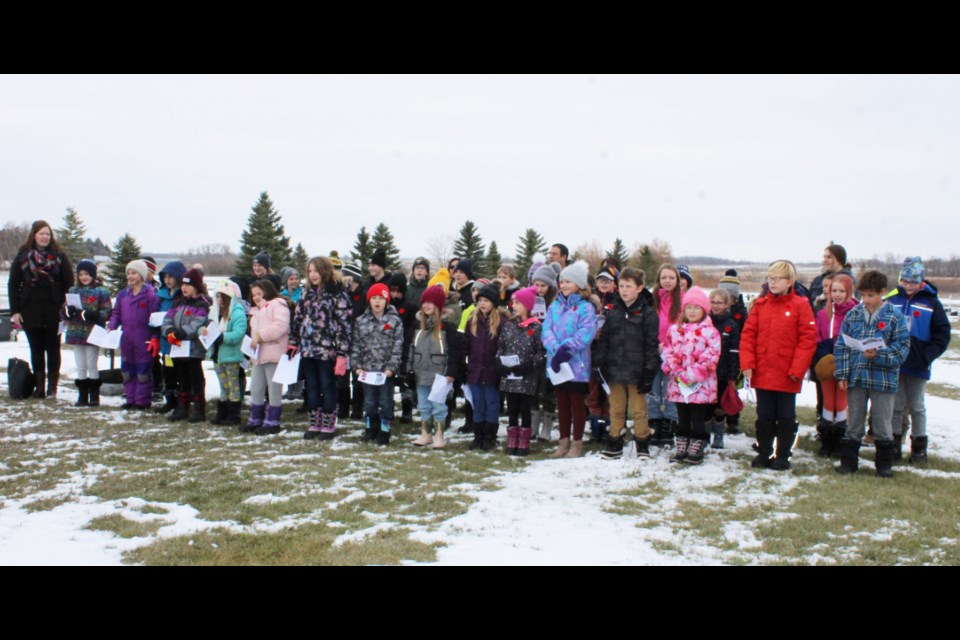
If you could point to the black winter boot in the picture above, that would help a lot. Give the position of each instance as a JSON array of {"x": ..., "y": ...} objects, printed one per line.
[
  {"x": 196, "y": 413},
  {"x": 884, "y": 460},
  {"x": 83, "y": 395},
  {"x": 849, "y": 456},
  {"x": 667, "y": 429},
  {"x": 681, "y": 452},
  {"x": 695, "y": 450},
  {"x": 221, "y": 414},
  {"x": 766, "y": 429},
  {"x": 918, "y": 449},
  {"x": 233, "y": 414},
  {"x": 40, "y": 379},
  {"x": 614, "y": 448},
  {"x": 53, "y": 381},
  {"x": 478, "y": 433},
  {"x": 94, "y": 392},
  {"x": 343, "y": 403},
  {"x": 654, "y": 425},
  {"x": 406, "y": 410},
  {"x": 490, "y": 436},
  {"x": 182, "y": 410},
  {"x": 643, "y": 447},
  {"x": 373, "y": 429},
  {"x": 170, "y": 404},
  {"x": 898, "y": 447},
  {"x": 786, "y": 436}
]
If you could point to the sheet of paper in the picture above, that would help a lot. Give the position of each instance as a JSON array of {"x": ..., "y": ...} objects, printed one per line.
[
  {"x": 467, "y": 394},
  {"x": 440, "y": 389},
  {"x": 181, "y": 350},
  {"x": 603, "y": 383},
  {"x": 73, "y": 300},
  {"x": 288, "y": 370},
  {"x": 687, "y": 390},
  {"x": 156, "y": 319},
  {"x": 62, "y": 328},
  {"x": 248, "y": 350},
  {"x": 565, "y": 374},
  {"x": 213, "y": 332},
  {"x": 539, "y": 310},
  {"x": 376, "y": 378},
  {"x": 103, "y": 338},
  {"x": 865, "y": 345},
  {"x": 510, "y": 361}
]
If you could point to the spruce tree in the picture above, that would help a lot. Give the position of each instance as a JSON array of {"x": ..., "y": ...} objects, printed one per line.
[
  {"x": 619, "y": 252},
  {"x": 470, "y": 245},
  {"x": 649, "y": 263},
  {"x": 72, "y": 236},
  {"x": 531, "y": 245},
  {"x": 382, "y": 238},
  {"x": 300, "y": 260},
  {"x": 492, "y": 260},
  {"x": 125, "y": 250},
  {"x": 362, "y": 250},
  {"x": 264, "y": 233}
]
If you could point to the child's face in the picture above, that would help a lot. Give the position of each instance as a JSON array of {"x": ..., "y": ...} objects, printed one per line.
[
  {"x": 169, "y": 281},
  {"x": 693, "y": 313},
  {"x": 911, "y": 287},
  {"x": 520, "y": 310},
  {"x": 542, "y": 288},
  {"x": 259, "y": 270},
  {"x": 485, "y": 305},
  {"x": 313, "y": 275},
  {"x": 188, "y": 290},
  {"x": 683, "y": 285},
  {"x": 420, "y": 272},
  {"x": 378, "y": 304},
  {"x": 293, "y": 281},
  {"x": 605, "y": 286},
  {"x": 428, "y": 308},
  {"x": 829, "y": 262},
  {"x": 505, "y": 280},
  {"x": 375, "y": 270},
  {"x": 778, "y": 284},
  {"x": 256, "y": 294},
  {"x": 460, "y": 277},
  {"x": 395, "y": 293},
  {"x": 837, "y": 293},
  {"x": 84, "y": 278},
  {"x": 668, "y": 280},
  {"x": 629, "y": 290},
  {"x": 872, "y": 299},
  {"x": 347, "y": 281},
  {"x": 718, "y": 306},
  {"x": 567, "y": 287},
  {"x": 133, "y": 278}
]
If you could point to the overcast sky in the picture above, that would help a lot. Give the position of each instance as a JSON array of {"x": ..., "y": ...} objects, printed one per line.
[{"x": 754, "y": 167}]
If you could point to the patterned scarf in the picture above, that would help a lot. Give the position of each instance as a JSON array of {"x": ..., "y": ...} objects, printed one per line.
[{"x": 41, "y": 267}]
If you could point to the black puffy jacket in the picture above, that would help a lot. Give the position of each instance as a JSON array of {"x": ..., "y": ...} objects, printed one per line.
[{"x": 627, "y": 349}]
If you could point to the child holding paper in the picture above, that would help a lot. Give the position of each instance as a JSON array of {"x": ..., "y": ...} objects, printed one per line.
[
  {"x": 181, "y": 328},
  {"x": 168, "y": 293},
  {"x": 568, "y": 330},
  {"x": 690, "y": 359},
  {"x": 871, "y": 374},
  {"x": 269, "y": 337},
  {"x": 94, "y": 310},
  {"x": 225, "y": 352},
  {"x": 833, "y": 416},
  {"x": 139, "y": 343},
  {"x": 544, "y": 281},
  {"x": 434, "y": 351},
  {"x": 480, "y": 349},
  {"x": 377, "y": 348},
  {"x": 520, "y": 345}
]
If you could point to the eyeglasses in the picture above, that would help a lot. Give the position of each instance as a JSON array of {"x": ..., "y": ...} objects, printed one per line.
[{"x": 775, "y": 279}]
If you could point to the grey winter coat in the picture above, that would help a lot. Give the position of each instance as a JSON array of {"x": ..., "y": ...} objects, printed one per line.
[
  {"x": 521, "y": 339},
  {"x": 429, "y": 358},
  {"x": 185, "y": 319},
  {"x": 377, "y": 344}
]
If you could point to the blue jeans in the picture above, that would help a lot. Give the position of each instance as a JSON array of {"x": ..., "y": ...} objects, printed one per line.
[
  {"x": 320, "y": 385},
  {"x": 430, "y": 410},
  {"x": 486, "y": 403},
  {"x": 378, "y": 399},
  {"x": 658, "y": 407}
]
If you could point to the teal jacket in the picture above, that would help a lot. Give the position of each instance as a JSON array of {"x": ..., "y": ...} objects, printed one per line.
[{"x": 227, "y": 348}]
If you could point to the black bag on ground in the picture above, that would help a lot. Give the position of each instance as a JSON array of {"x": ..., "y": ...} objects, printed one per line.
[{"x": 20, "y": 379}]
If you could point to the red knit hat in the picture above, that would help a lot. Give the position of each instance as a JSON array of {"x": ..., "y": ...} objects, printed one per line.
[
  {"x": 379, "y": 289},
  {"x": 434, "y": 294},
  {"x": 193, "y": 277}
]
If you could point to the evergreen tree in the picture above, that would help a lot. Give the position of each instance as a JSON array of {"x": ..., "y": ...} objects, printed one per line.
[
  {"x": 264, "y": 233},
  {"x": 649, "y": 263},
  {"x": 300, "y": 260},
  {"x": 493, "y": 260},
  {"x": 619, "y": 252},
  {"x": 382, "y": 238},
  {"x": 125, "y": 250},
  {"x": 531, "y": 245},
  {"x": 470, "y": 245},
  {"x": 72, "y": 236},
  {"x": 362, "y": 250}
]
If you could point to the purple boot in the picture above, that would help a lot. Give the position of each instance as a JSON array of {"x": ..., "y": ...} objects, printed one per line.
[
  {"x": 255, "y": 419},
  {"x": 314, "y": 424},
  {"x": 328, "y": 425},
  {"x": 271, "y": 424}
]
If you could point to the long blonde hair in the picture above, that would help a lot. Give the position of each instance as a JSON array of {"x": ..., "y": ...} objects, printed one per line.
[
  {"x": 437, "y": 322},
  {"x": 493, "y": 321}
]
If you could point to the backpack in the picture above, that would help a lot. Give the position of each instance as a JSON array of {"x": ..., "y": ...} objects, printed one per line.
[{"x": 20, "y": 379}]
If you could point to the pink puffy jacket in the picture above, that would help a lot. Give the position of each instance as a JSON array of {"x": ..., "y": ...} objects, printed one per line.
[
  {"x": 272, "y": 321},
  {"x": 691, "y": 353}
]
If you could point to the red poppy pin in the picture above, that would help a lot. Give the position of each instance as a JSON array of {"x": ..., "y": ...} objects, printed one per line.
[
  {"x": 881, "y": 325},
  {"x": 530, "y": 332},
  {"x": 91, "y": 299},
  {"x": 737, "y": 316},
  {"x": 386, "y": 327},
  {"x": 726, "y": 329},
  {"x": 143, "y": 305},
  {"x": 402, "y": 311},
  {"x": 609, "y": 306},
  {"x": 187, "y": 313},
  {"x": 916, "y": 314},
  {"x": 697, "y": 333},
  {"x": 50, "y": 257},
  {"x": 356, "y": 297}
]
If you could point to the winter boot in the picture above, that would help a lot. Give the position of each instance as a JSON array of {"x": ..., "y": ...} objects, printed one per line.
[
  {"x": 576, "y": 449},
  {"x": 182, "y": 410},
  {"x": 372, "y": 429},
  {"x": 546, "y": 427},
  {"x": 718, "y": 429},
  {"x": 667, "y": 429},
  {"x": 356, "y": 412},
  {"x": 733, "y": 425},
  {"x": 918, "y": 449},
  {"x": 513, "y": 440},
  {"x": 438, "y": 441},
  {"x": 233, "y": 414},
  {"x": 196, "y": 409},
  {"x": 53, "y": 381},
  {"x": 83, "y": 393},
  {"x": 271, "y": 423},
  {"x": 170, "y": 398},
  {"x": 255, "y": 419},
  {"x": 897, "y": 447},
  {"x": 477, "y": 437},
  {"x": 426, "y": 434},
  {"x": 642, "y": 446},
  {"x": 786, "y": 437},
  {"x": 406, "y": 410},
  {"x": 343, "y": 403},
  {"x": 95, "y": 392},
  {"x": 468, "y": 426},
  {"x": 383, "y": 437},
  {"x": 313, "y": 425},
  {"x": 596, "y": 429},
  {"x": 766, "y": 430},
  {"x": 563, "y": 449},
  {"x": 489, "y": 435},
  {"x": 695, "y": 450},
  {"x": 221, "y": 415},
  {"x": 523, "y": 445},
  {"x": 614, "y": 448},
  {"x": 654, "y": 424},
  {"x": 328, "y": 425},
  {"x": 681, "y": 452},
  {"x": 294, "y": 391},
  {"x": 40, "y": 380},
  {"x": 884, "y": 460},
  {"x": 849, "y": 456}
]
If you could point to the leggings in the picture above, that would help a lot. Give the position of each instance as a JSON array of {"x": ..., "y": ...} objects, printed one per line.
[
  {"x": 571, "y": 408},
  {"x": 518, "y": 409},
  {"x": 228, "y": 373},
  {"x": 87, "y": 357},
  {"x": 44, "y": 342}
]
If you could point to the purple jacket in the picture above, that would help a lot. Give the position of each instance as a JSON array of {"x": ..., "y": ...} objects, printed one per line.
[
  {"x": 132, "y": 314},
  {"x": 481, "y": 351},
  {"x": 571, "y": 321}
]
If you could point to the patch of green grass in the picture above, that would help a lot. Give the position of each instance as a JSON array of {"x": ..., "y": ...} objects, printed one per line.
[
  {"x": 124, "y": 527},
  {"x": 45, "y": 504},
  {"x": 942, "y": 390}
]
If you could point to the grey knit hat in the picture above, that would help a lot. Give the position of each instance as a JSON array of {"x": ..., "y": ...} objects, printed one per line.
[
  {"x": 731, "y": 283},
  {"x": 577, "y": 274},
  {"x": 351, "y": 269},
  {"x": 545, "y": 275}
]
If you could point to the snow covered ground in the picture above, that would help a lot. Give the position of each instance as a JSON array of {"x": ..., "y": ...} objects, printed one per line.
[{"x": 549, "y": 512}]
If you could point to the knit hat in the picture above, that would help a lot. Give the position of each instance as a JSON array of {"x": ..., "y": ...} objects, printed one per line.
[
  {"x": 912, "y": 270},
  {"x": 532, "y": 270},
  {"x": 380, "y": 290},
  {"x": 610, "y": 273},
  {"x": 193, "y": 277},
  {"x": 175, "y": 269},
  {"x": 151, "y": 263},
  {"x": 421, "y": 262},
  {"x": 229, "y": 289},
  {"x": 435, "y": 294},
  {"x": 379, "y": 258},
  {"x": 527, "y": 297},
  {"x": 334, "y": 260},
  {"x": 490, "y": 292},
  {"x": 684, "y": 271},
  {"x": 442, "y": 278},
  {"x": 262, "y": 259},
  {"x": 285, "y": 274},
  {"x": 546, "y": 275},
  {"x": 399, "y": 281},
  {"x": 731, "y": 283},
  {"x": 139, "y": 266},
  {"x": 351, "y": 269},
  {"x": 576, "y": 273},
  {"x": 465, "y": 265},
  {"x": 89, "y": 266},
  {"x": 697, "y": 297}
]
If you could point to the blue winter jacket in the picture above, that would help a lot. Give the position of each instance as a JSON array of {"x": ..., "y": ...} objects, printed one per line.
[
  {"x": 176, "y": 269},
  {"x": 881, "y": 373},
  {"x": 571, "y": 321},
  {"x": 929, "y": 328}
]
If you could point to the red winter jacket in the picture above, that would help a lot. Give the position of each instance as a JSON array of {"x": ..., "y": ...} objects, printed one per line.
[{"x": 778, "y": 340}]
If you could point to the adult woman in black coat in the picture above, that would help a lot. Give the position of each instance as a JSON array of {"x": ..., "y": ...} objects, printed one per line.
[{"x": 40, "y": 277}]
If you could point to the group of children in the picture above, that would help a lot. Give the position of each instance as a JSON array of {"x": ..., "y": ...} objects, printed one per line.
[{"x": 568, "y": 343}]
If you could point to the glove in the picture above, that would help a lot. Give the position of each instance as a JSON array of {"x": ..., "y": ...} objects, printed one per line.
[
  {"x": 83, "y": 318},
  {"x": 410, "y": 379},
  {"x": 180, "y": 333},
  {"x": 153, "y": 347},
  {"x": 645, "y": 387},
  {"x": 292, "y": 351},
  {"x": 172, "y": 339},
  {"x": 340, "y": 368},
  {"x": 70, "y": 312},
  {"x": 563, "y": 354}
]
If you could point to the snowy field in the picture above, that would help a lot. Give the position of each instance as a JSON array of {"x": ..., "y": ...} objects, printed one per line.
[{"x": 544, "y": 512}]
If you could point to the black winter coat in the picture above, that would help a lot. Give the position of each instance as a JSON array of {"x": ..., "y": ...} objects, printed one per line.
[
  {"x": 729, "y": 366},
  {"x": 627, "y": 349},
  {"x": 39, "y": 305}
]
